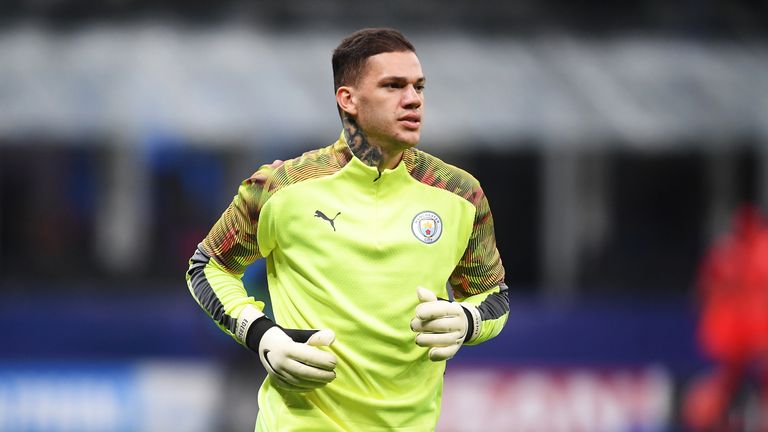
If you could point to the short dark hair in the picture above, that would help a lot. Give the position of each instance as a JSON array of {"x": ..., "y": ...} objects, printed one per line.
[{"x": 349, "y": 57}]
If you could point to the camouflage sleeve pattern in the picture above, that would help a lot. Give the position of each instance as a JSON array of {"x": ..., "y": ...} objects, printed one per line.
[
  {"x": 480, "y": 268},
  {"x": 232, "y": 240}
]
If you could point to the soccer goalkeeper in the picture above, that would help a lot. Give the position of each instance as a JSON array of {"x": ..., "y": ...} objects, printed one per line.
[{"x": 360, "y": 238}]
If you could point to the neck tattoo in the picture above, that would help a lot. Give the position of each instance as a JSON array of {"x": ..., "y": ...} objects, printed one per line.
[{"x": 365, "y": 151}]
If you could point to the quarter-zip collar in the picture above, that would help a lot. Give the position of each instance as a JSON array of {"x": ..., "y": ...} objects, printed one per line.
[{"x": 346, "y": 156}]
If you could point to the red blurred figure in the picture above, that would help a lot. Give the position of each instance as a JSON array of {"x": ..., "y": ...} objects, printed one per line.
[{"x": 733, "y": 328}]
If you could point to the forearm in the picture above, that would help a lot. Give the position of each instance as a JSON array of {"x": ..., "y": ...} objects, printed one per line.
[
  {"x": 491, "y": 310},
  {"x": 221, "y": 294}
]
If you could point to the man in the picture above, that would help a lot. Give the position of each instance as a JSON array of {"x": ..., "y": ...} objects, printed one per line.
[
  {"x": 733, "y": 325},
  {"x": 360, "y": 238}
]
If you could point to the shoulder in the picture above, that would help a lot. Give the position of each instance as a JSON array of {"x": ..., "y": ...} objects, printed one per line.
[
  {"x": 433, "y": 171},
  {"x": 310, "y": 165}
]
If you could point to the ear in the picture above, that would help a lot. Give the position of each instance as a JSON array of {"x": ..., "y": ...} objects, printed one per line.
[{"x": 346, "y": 100}]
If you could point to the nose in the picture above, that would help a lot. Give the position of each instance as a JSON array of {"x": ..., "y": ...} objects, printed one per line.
[{"x": 411, "y": 98}]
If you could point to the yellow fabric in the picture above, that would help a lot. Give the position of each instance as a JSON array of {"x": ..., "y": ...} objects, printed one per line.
[
  {"x": 489, "y": 328},
  {"x": 343, "y": 252}
]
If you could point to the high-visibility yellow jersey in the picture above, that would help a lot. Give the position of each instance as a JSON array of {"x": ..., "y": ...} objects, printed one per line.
[{"x": 346, "y": 246}]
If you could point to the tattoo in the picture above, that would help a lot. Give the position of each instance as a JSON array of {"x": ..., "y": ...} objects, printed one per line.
[{"x": 368, "y": 153}]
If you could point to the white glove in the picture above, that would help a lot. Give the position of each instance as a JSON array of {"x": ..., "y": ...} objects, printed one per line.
[
  {"x": 296, "y": 366},
  {"x": 441, "y": 325}
]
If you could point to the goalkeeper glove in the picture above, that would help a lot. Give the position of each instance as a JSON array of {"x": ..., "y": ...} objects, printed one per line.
[
  {"x": 443, "y": 326},
  {"x": 291, "y": 357}
]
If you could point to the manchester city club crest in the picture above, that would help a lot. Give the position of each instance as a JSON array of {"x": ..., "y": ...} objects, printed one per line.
[{"x": 427, "y": 227}]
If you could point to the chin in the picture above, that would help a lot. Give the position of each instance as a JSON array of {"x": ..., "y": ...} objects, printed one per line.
[{"x": 409, "y": 140}]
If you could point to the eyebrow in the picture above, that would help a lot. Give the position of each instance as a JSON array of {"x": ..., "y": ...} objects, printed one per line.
[{"x": 400, "y": 79}]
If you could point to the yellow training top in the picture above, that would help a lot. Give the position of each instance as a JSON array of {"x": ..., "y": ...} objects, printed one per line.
[{"x": 346, "y": 247}]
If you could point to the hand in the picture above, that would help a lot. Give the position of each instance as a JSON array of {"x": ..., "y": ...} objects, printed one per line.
[
  {"x": 296, "y": 366},
  {"x": 441, "y": 325}
]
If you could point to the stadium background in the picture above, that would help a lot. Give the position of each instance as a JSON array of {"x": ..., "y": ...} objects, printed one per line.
[{"x": 613, "y": 140}]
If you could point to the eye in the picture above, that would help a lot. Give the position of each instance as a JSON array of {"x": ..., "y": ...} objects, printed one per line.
[
  {"x": 419, "y": 87},
  {"x": 393, "y": 85}
]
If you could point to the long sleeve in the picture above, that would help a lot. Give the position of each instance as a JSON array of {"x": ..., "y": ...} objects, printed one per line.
[
  {"x": 217, "y": 266},
  {"x": 479, "y": 276}
]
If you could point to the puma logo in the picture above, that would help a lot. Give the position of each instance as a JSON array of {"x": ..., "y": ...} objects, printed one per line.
[{"x": 322, "y": 215}]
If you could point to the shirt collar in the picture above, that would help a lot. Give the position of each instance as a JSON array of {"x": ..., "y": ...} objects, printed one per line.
[{"x": 344, "y": 154}]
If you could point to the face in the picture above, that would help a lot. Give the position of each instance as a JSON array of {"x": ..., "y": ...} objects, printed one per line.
[{"x": 388, "y": 100}]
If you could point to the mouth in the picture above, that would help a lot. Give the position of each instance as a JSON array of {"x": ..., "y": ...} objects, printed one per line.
[{"x": 410, "y": 121}]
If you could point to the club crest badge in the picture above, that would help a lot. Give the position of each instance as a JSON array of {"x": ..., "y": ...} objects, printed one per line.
[{"x": 427, "y": 227}]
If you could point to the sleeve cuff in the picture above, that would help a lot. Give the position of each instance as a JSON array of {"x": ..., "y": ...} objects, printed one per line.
[
  {"x": 251, "y": 326},
  {"x": 474, "y": 321}
]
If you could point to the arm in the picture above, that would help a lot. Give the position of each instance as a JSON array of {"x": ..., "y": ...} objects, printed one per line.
[
  {"x": 218, "y": 264},
  {"x": 290, "y": 357},
  {"x": 478, "y": 279},
  {"x": 481, "y": 308}
]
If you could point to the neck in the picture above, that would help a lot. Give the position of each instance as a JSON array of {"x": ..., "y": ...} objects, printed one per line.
[{"x": 370, "y": 153}]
